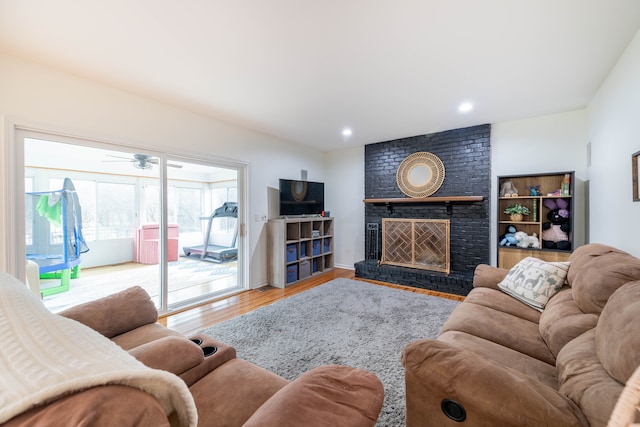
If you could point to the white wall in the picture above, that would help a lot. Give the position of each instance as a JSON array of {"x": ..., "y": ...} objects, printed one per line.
[
  {"x": 344, "y": 194},
  {"x": 554, "y": 143},
  {"x": 50, "y": 100},
  {"x": 614, "y": 132}
]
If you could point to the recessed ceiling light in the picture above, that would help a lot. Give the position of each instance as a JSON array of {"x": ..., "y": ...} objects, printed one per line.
[
  {"x": 465, "y": 107},
  {"x": 347, "y": 132}
]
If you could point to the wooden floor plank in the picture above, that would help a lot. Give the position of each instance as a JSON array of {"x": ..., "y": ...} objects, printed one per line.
[{"x": 196, "y": 319}]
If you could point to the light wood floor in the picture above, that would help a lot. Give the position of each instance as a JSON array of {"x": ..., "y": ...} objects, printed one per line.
[{"x": 196, "y": 319}]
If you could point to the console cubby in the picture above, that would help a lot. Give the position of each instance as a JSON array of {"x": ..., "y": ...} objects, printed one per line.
[{"x": 298, "y": 249}]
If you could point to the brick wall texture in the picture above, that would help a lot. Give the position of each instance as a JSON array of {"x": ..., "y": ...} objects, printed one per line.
[{"x": 466, "y": 156}]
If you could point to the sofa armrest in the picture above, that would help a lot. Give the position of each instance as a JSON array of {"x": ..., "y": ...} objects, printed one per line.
[
  {"x": 103, "y": 406},
  {"x": 116, "y": 314},
  {"x": 490, "y": 394},
  {"x": 486, "y": 276},
  {"x": 173, "y": 354},
  {"x": 328, "y": 395}
]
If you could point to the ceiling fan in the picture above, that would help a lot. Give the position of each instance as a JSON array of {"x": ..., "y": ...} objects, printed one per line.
[{"x": 141, "y": 161}]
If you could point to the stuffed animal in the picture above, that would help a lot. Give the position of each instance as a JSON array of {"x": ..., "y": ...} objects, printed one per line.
[
  {"x": 507, "y": 189},
  {"x": 508, "y": 238},
  {"x": 555, "y": 232},
  {"x": 526, "y": 241},
  {"x": 534, "y": 190},
  {"x": 534, "y": 242}
]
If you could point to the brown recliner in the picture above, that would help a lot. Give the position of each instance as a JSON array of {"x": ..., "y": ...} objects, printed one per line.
[{"x": 227, "y": 391}]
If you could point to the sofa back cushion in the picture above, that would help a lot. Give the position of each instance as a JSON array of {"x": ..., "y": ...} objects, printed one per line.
[
  {"x": 596, "y": 272},
  {"x": 618, "y": 333},
  {"x": 562, "y": 320},
  {"x": 116, "y": 314},
  {"x": 583, "y": 379}
]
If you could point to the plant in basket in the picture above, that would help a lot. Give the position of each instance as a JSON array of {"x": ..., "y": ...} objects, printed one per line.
[{"x": 516, "y": 211}]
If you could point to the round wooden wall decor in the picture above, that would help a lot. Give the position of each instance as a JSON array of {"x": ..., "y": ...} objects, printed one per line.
[{"x": 420, "y": 174}]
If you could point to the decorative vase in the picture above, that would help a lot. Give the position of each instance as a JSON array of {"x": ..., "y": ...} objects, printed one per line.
[{"x": 516, "y": 217}]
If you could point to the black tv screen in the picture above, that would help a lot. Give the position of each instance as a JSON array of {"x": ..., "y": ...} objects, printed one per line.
[{"x": 301, "y": 197}]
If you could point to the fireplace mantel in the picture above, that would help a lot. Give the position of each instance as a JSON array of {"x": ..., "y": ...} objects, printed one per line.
[
  {"x": 437, "y": 199},
  {"x": 447, "y": 200}
]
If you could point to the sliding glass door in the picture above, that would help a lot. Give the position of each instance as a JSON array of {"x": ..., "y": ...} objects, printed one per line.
[
  {"x": 167, "y": 224},
  {"x": 202, "y": 225}
]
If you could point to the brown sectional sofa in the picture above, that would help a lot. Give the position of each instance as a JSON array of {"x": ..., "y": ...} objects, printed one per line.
[
  {"x": 227, "y": 391},
  {"x": 499, "y": 362}
]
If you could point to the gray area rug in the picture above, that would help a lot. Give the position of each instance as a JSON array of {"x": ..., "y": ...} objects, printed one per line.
[{"x": 341, "y": 322}]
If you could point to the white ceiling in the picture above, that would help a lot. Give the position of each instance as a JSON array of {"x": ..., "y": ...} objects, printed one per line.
[{"x": 304, "y": 70}]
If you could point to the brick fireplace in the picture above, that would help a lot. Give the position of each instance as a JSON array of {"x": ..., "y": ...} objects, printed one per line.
[{"x": 466, "y": 157}]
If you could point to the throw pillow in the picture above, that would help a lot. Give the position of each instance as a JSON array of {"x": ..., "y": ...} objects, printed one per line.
[{"x": 534, "y": 281}]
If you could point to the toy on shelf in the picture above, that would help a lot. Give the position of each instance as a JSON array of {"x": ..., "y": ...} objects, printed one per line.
[
  {"x": 555, "y": 232},
  {"x": 534, "y": 190},
  {"x": 509, "y": 237},
  {"x": 507, "y": 189},
  {"x": 527, "y": 241}
]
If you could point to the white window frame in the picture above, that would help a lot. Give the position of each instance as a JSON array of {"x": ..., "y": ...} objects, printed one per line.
[{"x": 12, "y": 231}]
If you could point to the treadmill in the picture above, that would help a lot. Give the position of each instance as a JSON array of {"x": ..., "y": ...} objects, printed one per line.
[{"x": 217, "y": 253}]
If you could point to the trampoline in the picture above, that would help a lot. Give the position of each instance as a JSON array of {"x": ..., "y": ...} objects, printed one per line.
[{"x": 54, "y": 219}]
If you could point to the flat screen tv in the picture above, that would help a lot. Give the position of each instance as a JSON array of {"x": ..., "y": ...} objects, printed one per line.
[{"x": 301, "y": 197}]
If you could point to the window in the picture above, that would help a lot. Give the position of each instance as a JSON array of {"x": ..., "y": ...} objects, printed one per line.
[
  {"x": 185, "y": 207},
  {"x": 120, "y": 191},
  {"x": 117, "y": 215}
]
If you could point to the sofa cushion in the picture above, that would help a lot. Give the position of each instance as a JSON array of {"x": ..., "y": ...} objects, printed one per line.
[
  {"x": 499, "y": 327},
  {"x": 584, "y": 380},
  {"x": 230, "y": 394},
  {"x": 144, "y": 334},
  {"x": 562, "y": 320},
  {"x": 533, "y": 281},
  {"x": 504, "y": 356},
  {"x": 117, "y": 313},
  {"x": 617, "y": 333},
  {"x": 596, "y": 272},
  {"x": 498, "y": 300}
]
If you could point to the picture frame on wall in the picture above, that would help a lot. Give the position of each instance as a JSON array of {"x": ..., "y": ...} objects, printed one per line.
[{"x": 635, "y": 165}]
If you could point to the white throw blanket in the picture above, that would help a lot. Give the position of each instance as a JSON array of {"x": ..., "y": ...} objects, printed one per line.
[{"x": 44, "y": 356}]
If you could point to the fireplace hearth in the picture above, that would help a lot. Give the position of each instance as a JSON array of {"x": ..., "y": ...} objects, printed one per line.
[{"x": 453, "y": 283}]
